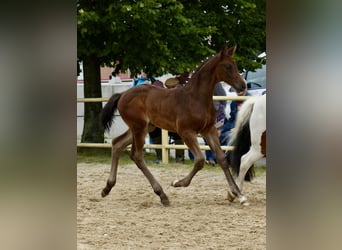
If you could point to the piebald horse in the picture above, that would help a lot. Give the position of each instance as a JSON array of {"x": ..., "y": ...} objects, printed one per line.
[{"x": 248, "y": 139}]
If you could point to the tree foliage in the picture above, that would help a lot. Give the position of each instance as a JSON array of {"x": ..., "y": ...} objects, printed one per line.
[
  {"x": 161, "y": 36},
  {"x": 171, "y": 36}
]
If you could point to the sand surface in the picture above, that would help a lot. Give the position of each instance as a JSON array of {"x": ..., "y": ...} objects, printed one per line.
[{"x": 199, "y": 217}]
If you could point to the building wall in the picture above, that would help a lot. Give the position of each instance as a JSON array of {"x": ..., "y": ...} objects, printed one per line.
[{"x": 107, "y": 71}]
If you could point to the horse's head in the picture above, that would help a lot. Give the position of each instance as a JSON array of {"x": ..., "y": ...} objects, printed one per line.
[{"x": 227, "y": 71}]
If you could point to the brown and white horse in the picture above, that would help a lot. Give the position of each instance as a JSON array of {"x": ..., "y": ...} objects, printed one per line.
[{"x": 248, "y": 139}]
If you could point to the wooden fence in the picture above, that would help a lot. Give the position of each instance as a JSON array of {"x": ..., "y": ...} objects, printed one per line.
[{"x": 165, "y": 146}]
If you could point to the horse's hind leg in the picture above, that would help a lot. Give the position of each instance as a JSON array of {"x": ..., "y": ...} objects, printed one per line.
[
  {"x": 247, "y": 161},
  {"x": 190, "y": 140},
  {"x": 118, "y": 145},
  {"x": 138, "y": 157}
]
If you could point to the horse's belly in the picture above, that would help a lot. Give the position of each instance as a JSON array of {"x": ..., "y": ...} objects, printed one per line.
[{"x": 164, "y": 124}]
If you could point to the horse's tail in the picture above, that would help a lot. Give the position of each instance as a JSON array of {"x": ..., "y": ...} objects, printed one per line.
[
  {"x": 109, "y": 110},
  {"x": 241, "y": 138}
]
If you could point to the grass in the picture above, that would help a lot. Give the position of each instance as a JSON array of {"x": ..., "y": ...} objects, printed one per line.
[
  {"x": 94, "y": 155},
  {"x": 103, "y": 156}
]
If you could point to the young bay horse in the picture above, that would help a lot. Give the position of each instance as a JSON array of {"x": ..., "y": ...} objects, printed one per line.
[
  {"x": 186, "y": 110},
  {"x": 248, "y": 139}
]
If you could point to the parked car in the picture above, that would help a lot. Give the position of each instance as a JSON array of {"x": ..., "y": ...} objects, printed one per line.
[{"x": 256, "y": 82}]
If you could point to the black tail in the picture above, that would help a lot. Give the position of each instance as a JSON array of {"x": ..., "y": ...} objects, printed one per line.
[
  {"x": 109, "y": 110},
  {"x": 241, "y": 145}
]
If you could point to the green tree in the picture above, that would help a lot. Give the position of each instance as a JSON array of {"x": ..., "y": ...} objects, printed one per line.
[{"x": 165, "y": 36}]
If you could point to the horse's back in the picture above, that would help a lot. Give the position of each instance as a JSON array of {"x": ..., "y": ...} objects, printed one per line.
[
  {"x": 253, "y": 113},
  {"x": 171, "y": 109},
  {"x": 138, "y": 95},
  {"x": 148, "y": 104},
  {"x": 258, "y": 116}
]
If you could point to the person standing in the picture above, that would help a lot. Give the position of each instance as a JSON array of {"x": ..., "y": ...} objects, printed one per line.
[
  {"x": 171, "y": 83},
  {"x": 155, "y": 135},
  {"x": 220, "y": 107},
  {"x": 230, "y": 123},
  {"x": 142, "y": 79},
  {"x": 115, "y": 76}
]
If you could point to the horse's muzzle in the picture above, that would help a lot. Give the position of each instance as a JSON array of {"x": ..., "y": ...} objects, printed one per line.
[{"x": 241, "y": 87}]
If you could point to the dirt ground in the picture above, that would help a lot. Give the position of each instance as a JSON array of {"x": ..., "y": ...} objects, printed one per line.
[{"x": 132, "y": 217}]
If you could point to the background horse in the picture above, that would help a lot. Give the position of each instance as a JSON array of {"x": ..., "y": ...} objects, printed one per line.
[
  {"x": 249, "y": 139},
  {"x": 186, "y": 110}
]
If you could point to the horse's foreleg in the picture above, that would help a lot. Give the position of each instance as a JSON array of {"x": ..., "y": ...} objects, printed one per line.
[
  {"x": 138, "y": 158},
  {"x": 118, "y": 145},
  {"x": 191, "y": 141},
  {"x": 214, "y": 144}
]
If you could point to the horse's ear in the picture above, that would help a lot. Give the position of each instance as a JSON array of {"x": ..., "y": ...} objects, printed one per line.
[
  {"x": 231, "y": 50},
  {"x": 228, "y": 52},
  {"x": 223, "y": 53}
]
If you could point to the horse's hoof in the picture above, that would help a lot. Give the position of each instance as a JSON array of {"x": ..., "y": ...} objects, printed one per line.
[
  {"x": 246, "y": 203},
  {"x": 173, "y": 184},
  {"x": 230, "y": 196},
  {"x": 165, "y": 202},
  {"x": 104, "y": 193},
  {"x": 243, "y": 201}
]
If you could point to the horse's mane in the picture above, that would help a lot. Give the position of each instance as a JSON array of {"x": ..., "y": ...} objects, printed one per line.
[{"x": 195, "y": 71}]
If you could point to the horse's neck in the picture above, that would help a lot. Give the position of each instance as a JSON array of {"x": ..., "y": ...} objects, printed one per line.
[
  {"x": 203, "y": 82},
  {"x": 202, "y": 85}
]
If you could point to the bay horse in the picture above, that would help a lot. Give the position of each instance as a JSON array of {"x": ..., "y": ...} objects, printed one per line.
[
  {"x": 186, "y": 110},
  {"x": 248, "y": 139}
]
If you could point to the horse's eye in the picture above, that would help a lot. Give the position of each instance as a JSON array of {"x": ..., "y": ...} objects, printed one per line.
[{"x": 228, "y": 66}]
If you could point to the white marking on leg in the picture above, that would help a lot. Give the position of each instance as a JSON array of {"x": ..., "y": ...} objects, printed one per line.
[
  {"x": 243, "y": 200},
  {"x": 174, "y": 183}
]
